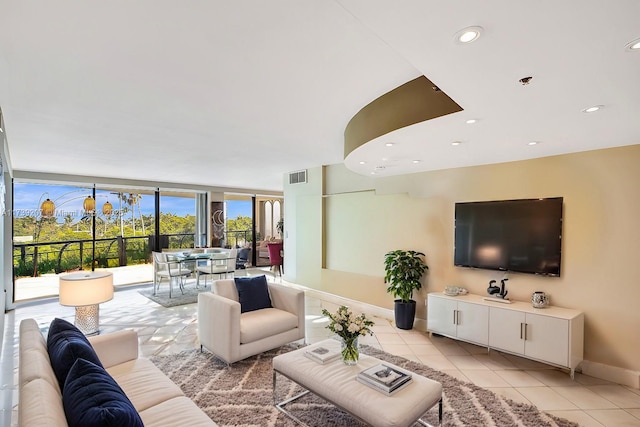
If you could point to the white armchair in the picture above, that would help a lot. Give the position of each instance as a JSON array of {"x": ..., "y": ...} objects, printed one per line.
[{"x": 232, "y": 335}]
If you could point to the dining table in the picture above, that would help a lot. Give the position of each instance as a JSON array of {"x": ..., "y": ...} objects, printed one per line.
[{"x": 193, "y": 260}]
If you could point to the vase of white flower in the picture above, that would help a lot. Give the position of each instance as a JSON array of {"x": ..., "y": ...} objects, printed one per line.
[
  {"x": 348, "y": 327},
  {"x": 350, "y": 351}
]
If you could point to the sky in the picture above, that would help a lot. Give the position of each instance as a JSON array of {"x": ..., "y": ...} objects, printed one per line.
[
  {"x": 27, "y": 199},
  {"x": 235, "y": 208}
]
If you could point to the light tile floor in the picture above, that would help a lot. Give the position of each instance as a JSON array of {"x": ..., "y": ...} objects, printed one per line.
[{"x": 587, "y": 400}]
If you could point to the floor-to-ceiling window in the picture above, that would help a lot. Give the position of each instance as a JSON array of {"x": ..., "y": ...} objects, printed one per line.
[
  {"x": 63, "y": 228},
  {"x": 52, "y": 230},
  {"x": 177, "y": 219},
  {"x": 239, "y": 220},
  {"x": 239, "y": 227}
]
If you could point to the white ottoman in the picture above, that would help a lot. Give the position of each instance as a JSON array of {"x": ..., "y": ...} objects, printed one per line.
[{"x": 336, "y": 383}]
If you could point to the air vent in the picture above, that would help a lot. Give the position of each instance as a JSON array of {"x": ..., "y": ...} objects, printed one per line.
[{"x": 298, "y": 177}]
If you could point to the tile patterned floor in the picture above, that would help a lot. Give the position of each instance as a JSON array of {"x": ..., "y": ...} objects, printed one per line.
[{"x": 587, "y": 400}]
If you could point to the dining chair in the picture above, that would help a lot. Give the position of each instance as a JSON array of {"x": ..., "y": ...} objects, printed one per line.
[
  {"x": 222, "y": 263},
  {"x": 167, "y": 266},
  {"x": 244, "y": 257},
  {"x": 275, "y": 256}
]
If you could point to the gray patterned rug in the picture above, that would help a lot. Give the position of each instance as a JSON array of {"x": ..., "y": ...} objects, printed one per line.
[
  {"x": 190, "y": 295},
  {"x": 242, "y": 395}
]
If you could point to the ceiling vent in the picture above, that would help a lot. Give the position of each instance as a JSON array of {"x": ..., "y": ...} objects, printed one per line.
[{"x": 298, "y": 177}]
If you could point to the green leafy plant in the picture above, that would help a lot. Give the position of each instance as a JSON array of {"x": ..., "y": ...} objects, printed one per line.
[
  {"x": 280, "y": 227},
  {"x": 403, "y": 271}
]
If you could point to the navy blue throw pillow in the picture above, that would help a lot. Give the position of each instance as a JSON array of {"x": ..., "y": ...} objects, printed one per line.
[
  {"x": 65, "y": 344},
  {"x": 253, "y": 293},
  {"x": 92, "y": 398}
]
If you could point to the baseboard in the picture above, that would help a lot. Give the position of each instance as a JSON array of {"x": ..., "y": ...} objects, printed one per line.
[
  {"x": 420, "y": 325},
  {"x": 611, "y": 373},
  {"x": 373, "y": 310},
  {"x": 384, "y": 313}
]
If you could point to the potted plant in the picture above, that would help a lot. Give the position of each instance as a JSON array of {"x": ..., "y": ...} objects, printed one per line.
[
  {"x": 280, "y": 227},
  {"x": 403, "y": 271}
]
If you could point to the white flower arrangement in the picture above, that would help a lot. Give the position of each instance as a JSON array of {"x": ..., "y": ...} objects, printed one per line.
[{"x": 347, "y": 325}]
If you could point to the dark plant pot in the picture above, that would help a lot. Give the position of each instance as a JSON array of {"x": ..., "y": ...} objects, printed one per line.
[{"x": 405, "y": 312}]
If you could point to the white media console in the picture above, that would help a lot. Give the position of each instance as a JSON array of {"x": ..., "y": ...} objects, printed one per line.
[{"x": 551, "y": 335}]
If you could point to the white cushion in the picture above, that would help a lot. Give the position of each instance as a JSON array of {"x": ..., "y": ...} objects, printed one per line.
[
  {"x": 179, "y": 411},
  {"x": 258, "y": 324},
  {"x": 143, "y": 383}
]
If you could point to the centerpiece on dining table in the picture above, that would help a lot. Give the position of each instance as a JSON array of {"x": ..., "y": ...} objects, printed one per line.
[{"x": 348, "y": 327}]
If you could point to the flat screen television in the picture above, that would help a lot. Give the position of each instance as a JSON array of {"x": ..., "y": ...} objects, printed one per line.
[{"x": 512, "y": 235}]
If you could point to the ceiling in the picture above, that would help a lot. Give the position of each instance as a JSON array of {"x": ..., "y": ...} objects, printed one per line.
[{"x": 236, "y": 94}]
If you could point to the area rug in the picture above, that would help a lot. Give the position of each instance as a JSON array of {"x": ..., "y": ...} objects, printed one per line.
[
  {"x": 242, "y": 394},
  {"x": 190, "y": 295}
]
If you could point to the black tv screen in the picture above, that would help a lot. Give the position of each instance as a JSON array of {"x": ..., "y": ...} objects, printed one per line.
[{"x": 511, "y": 235}]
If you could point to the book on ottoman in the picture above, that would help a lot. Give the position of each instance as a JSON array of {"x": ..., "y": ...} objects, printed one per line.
[
  {"x": 384, "y": 378},
  {"x": 323, "y": 354}
]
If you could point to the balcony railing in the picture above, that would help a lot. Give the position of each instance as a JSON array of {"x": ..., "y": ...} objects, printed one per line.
[{"x": 33, "y": 259}]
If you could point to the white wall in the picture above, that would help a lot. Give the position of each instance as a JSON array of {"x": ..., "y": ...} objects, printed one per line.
[{"x": 303, "y": 229}]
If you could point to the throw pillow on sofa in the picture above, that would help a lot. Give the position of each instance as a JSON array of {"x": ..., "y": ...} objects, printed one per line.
[
  {"x": 253, "y": 293},
  {"x": 92, "y": 398},
  {"x": 66, "y": 344}
]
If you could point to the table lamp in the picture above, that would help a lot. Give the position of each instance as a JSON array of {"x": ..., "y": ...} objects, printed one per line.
[{"x": 85, "y": 291}]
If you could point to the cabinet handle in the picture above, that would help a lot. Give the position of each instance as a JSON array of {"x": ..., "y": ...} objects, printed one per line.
[
  {"x": 457, "y": 317},
  {"x": 523, "y": 334},
  {"x": 455, "y": 320}
]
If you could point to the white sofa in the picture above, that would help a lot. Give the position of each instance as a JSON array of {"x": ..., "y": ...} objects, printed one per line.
[
  {"x": 232, "y": 335},
  {"x": 158, "y": 400}
]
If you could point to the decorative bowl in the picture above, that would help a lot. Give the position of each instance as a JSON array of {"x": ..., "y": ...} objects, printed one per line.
[{"x": 539, "y": 300}]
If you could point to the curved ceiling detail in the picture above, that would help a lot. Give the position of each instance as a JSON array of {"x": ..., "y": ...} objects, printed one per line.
[{"x": 415, "y": 101}]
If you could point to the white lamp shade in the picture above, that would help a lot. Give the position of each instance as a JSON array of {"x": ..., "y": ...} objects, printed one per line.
[{"x": 78, "y": 289}]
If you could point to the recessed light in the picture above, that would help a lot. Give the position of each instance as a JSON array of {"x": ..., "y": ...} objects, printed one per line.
[
  {"x": 372, "y": 173},
  {"x": 389, "y": 144},
  {"x": 593, "y": 109},
  {"x": 533, "y": 143},
  {"x": 384, "y": 159},
  {"x": 363, "y": 163},
  {"x": 415, "y": 161},
  {"x": 468, "y": 35},
  {"x": 456, "y": 143},
  {"x": 471, "y": 121},
  {"x": 633, "y": 46}
]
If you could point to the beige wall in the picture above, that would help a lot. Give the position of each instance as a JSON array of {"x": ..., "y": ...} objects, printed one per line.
[{"x": 363, "y": 218}]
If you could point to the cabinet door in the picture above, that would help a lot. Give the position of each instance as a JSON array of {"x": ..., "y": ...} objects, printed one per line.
[
  {"x": 506, "y": 330},
  {"x": 547, "y": 339},
  {"x": 440, "y": 316},
  {"x": 473, "y": 322}
]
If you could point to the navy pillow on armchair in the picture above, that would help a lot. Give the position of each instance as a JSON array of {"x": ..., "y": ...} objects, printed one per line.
[{"x": 253, "y": 293}]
